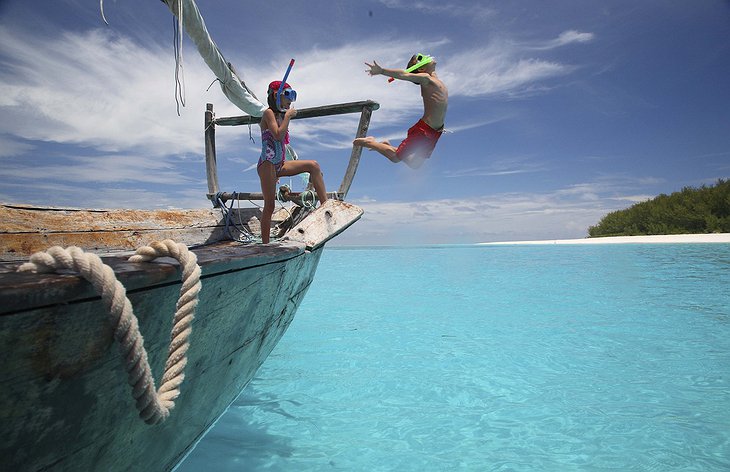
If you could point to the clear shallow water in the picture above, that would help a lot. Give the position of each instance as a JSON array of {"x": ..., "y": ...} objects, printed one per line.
[{"x": 509, "y": 358}]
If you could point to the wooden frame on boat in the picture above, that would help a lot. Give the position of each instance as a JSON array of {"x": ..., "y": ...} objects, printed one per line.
[{"x": 365, "y": 108}]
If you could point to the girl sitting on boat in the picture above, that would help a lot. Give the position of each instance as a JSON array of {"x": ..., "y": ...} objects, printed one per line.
[{"x": 272, "y": 162}]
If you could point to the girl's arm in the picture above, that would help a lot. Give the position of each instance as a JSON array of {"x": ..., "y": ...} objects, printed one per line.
[{"x": 268, "y": 121}]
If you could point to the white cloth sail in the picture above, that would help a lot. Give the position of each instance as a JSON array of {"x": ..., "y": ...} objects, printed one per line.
[{"x": 233, "y": 87}]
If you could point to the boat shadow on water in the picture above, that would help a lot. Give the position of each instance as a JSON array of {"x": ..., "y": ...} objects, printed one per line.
[{"x": 240, "y": 439}]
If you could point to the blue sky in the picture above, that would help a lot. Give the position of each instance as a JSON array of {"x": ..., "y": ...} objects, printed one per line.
[{"x": 559, "y": 111}]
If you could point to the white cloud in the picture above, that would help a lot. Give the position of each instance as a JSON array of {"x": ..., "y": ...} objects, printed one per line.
[
  {"x": 572, "y": 36},
  {"x": 489, "y": 218},
  {"x": 94, "y": 89},
  {"x": 12, "y": 147},
  {"x": 104, "y": 195},
  {"x": 494, "y": 70},
  {"x": 564, "y": 213},
  {"x": 109, "y": 168},
  {"x": 463, "y": 10},
  {"x": 637, "y": 198},
  {"x": 504, "y": 67},
  {"x": 500, "y": 166},
  {"x": 565, "y": 38}
]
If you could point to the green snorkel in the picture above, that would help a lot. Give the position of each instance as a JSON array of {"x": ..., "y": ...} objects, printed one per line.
[{"x": 422, "y": 59}]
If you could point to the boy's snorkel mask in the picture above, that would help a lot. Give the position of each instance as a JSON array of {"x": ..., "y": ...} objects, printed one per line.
[
  {"x": 421, "y": 60},
  {"x": 284, "y": 88}
]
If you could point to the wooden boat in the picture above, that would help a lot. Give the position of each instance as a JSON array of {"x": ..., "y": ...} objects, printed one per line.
[{"x": 65, "y": 402}]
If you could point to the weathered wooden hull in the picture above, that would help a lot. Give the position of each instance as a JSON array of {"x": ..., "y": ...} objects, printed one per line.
[{"x": 65, "y": 402}]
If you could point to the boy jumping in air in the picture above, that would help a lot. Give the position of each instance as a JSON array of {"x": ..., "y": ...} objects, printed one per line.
[{"x": 422, "y": 137}]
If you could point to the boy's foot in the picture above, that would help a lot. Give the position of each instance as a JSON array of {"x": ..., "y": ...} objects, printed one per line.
[{"x": 364, "y": 142}]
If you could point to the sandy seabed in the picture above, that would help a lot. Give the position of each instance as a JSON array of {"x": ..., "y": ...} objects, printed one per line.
[{"x": 654, "y": 239}]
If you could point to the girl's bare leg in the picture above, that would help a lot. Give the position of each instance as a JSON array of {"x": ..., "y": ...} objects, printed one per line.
[
  {"x": 315, "y": 174},
  {"x": 267, "y": 175}
]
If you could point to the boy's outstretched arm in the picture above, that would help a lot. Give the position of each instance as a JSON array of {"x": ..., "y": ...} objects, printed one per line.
[{"x": 400, "y": 74}]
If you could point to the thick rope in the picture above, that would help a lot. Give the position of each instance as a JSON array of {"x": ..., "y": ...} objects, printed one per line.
[{"x": 154, "y": 407}]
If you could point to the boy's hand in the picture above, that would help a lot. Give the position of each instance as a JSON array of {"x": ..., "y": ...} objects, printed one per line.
[{"x": 375, "y": 69}]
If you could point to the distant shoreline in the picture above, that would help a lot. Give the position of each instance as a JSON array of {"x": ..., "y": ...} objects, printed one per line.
[{"x": 653, "y": 239}]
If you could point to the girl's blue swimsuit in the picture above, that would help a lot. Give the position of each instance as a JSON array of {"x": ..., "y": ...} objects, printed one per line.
[{"x": 272, "y": 150}]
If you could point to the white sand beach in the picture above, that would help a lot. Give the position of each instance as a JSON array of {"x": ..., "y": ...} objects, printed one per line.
[{"x": 654, "y": 239}]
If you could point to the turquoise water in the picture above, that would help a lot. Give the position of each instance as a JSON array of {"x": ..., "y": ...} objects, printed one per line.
[{"x": 508, "y": 358}]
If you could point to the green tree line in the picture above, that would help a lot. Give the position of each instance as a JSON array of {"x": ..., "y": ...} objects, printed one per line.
[{"x": 689, "y": 211}]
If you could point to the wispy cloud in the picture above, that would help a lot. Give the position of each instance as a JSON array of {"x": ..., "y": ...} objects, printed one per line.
[
  {"x": 465, "y": 10},
  {"x": 104, "y": 169},
  {"x": 502, "y": 217},
  {"x": 504, "y": 67},
  {"x": 13, "y": 147},
  {"x": 93, "y": 89},
  {"x": 561, "y": 213},
  {"x": 479, "y": 123},
  {"x": 500, "y": 166},
  {"x": 104, "y": 195},
  {"x": 565, "y": 38}
]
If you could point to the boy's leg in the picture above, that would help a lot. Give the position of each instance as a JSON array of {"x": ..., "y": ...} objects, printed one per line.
[
  {"x": 414, "y": 160},
  {"x": 383, "y": 147}
]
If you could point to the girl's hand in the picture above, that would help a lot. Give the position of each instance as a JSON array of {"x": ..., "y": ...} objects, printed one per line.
[
  {"x": 375, "y": 69},
  {"x": 290, "y": 112}
]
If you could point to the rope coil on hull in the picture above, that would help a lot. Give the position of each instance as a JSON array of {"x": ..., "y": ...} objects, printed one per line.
[{"x": 153, "y": 406}]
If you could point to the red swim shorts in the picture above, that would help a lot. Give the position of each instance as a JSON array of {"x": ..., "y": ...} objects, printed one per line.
[{"x": 419, "y": 143}]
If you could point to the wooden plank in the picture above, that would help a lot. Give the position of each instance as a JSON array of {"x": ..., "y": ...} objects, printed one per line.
[
  {"x": 211, "y": 167},
  {"x": 25, "y": 291},
  {"x": 27, "y": 229},
  {"x": 324, "y": 223},
  {"x": 327, "y": 110},
  {"x": 294, "y": 196},
  {"x": 29, "y": 219}
]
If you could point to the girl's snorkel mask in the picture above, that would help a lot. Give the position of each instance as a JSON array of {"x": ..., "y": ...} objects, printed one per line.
[
  {"x": 284, "y": 89},
  {"x": 286, "y": 92},
  {"x": 421, "y": 60}
]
